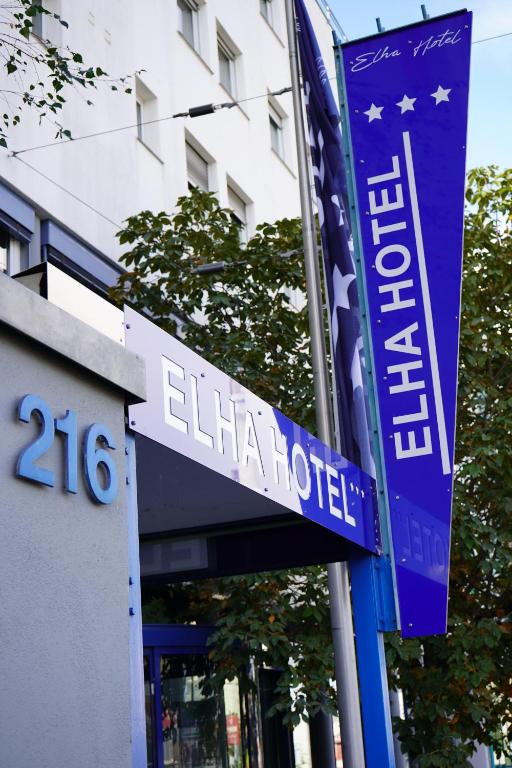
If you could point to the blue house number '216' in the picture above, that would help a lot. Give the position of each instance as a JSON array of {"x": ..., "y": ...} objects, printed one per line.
[{"x": 94, "y": 457}]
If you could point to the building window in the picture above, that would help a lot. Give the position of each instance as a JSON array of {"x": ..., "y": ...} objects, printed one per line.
[
  {"x": 140, "y": 121},
  {"x": 239, "y": 209},
  {"x": 227, "y": 66},
  {"x": 197, "y": 169},
  {"x": 267, "y": 10},
  {"x": 38, "y": 21},
  {"x": 276, "y": 131},
  {"x": 46, "y": 25},
  {"x": 188, "y": 12},
  {"x": 146, "y": 113},
  {"x": 13, "y": 253}
]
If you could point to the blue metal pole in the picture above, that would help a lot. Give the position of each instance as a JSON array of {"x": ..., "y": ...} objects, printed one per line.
[
  {"x": 138, "y": 724},
  {"x": 371, "y": 664}
]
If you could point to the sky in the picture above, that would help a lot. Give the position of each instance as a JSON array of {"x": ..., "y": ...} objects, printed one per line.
[{"x": 490, "y": 98}]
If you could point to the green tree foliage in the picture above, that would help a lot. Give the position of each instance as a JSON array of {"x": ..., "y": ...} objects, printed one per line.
[
  {"x": 38, "y": 70},
  {"x": 458, "y": 687},
  {"x": 279, "y": 619}
]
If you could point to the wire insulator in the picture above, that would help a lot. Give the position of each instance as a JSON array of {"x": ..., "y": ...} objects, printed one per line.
[{"x": 203, "y": 109}]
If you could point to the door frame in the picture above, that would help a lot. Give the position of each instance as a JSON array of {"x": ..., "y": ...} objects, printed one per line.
[{"x": 168, "y": 639}]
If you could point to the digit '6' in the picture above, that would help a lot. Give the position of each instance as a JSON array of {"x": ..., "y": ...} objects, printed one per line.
[{"x": 94, "y": 457}]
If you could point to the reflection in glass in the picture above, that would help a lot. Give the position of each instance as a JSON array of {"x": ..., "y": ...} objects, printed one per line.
[
  {"x": 337, "y": 742},
  {"x": 149, "y": 711},
  {"x": 198, "y": 730}
]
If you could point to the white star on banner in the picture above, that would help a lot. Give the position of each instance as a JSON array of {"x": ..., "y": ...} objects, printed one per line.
[
  {"x": 374, "y": 113},
  {"x": 441, "y": 94},
  {"x": 341, "y": 284},
  {"x": 406, "y": 105},
  {"x": 341, "y": 212}
]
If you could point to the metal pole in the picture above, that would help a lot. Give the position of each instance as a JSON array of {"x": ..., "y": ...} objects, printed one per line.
[{"x": 339, "y": 590}]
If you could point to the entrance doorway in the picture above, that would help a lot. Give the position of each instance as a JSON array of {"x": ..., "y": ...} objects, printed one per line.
[{"x": 186, "y": 725}]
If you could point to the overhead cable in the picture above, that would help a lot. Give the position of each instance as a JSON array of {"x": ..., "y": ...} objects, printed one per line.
[
  {"x": 67, "y": 191},
  {"x": 192, "y": 112},
  {"x": 495, "y": 37},
  {"x": 204, "y": 109}
]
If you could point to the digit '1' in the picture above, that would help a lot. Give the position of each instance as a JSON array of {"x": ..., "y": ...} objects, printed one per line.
[{"x": 67, "y": 425}]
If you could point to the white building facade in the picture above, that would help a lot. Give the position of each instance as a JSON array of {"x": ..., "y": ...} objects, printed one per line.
[{"x": 186, "y": 53}]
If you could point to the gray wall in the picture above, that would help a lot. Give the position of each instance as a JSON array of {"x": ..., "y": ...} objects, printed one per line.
[{"x": 64, "y": 644}]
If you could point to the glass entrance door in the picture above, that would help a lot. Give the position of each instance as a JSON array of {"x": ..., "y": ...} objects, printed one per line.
[
  {"x": 187, "y": 726},
  {"x": 193, "y": 722}
]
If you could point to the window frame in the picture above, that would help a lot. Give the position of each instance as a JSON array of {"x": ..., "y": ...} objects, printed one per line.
[
  {"x": 194, "y": 38},
  {"x": 194, "y": 152},
  {"x": 139, "y": 111},
  {"x": 267, "y": 11},
  {"x": 146, "y": 117},
  {"x": 240, "y": 207},
  {"x": 38, "y": 26},
  {"x": 46, "y": 27},
  {"x": 275, "y": 119},
  {"x": 230, "y": 57}
]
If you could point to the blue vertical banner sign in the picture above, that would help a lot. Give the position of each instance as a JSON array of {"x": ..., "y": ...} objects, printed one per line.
[{"x": 406, "y": 102}]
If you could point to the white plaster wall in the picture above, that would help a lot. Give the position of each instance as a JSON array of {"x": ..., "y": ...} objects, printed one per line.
[{"x": 115, "y": 173}]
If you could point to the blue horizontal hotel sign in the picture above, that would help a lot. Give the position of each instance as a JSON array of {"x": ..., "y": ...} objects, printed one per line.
[
  {"x": 406, "y": 101},
  {"x": 201, "y": 413}
]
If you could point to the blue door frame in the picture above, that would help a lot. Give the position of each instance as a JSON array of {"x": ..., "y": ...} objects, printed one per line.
[
  {"x": 180, "y": 638},
  {"x": 168, "y": 639}
]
